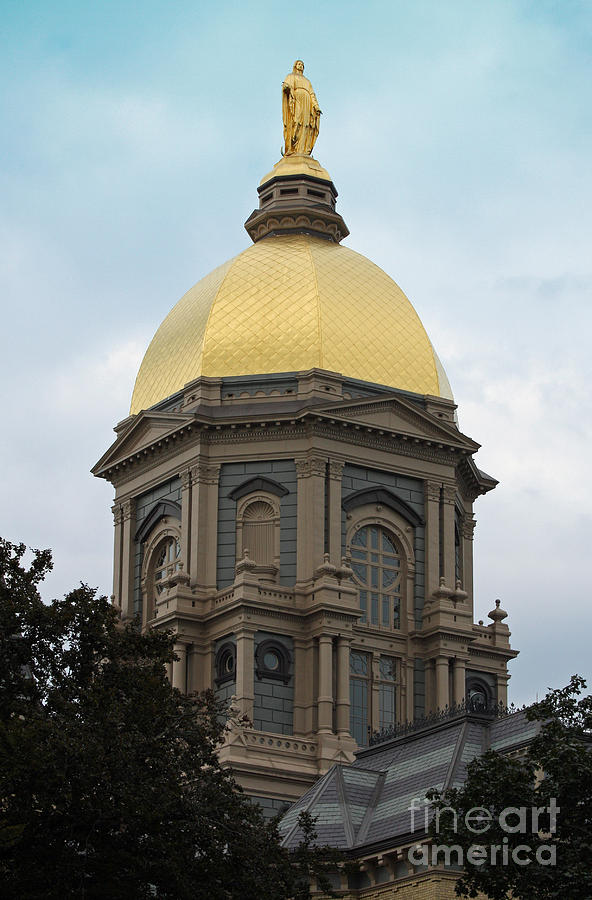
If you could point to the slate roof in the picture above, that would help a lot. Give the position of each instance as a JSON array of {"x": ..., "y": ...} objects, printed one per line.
[{"x": 367, "y": 803}]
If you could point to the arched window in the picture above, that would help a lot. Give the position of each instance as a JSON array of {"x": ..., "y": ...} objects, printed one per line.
[
  {"x": 377, "y": 565},
  {"x": 258, "y": 531},
  {"x": 161, "y": 558},
  {"x": 166, "y": 562}
]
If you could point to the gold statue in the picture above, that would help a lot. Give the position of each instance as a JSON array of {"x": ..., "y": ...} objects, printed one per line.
[{"x": 300, "y": 111}]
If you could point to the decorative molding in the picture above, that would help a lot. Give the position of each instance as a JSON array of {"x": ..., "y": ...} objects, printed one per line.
[
  {"x": 336, "y": 467},
  {"x": 128, "y": 508},
  {"x": 468, "y": 524},
  {"x": 432, "y": 491},
  {"x": 159, "y": 510},
  {"x": 449, "y": 493},
  {"x": 256, "y": 484},
  {"x": 312, "y": 465},
  {"x": 205, "y": 473},
  {"x": 382, "y": 497}
]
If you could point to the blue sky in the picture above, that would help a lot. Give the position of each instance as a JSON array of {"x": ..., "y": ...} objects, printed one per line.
[{"x": 459, "y": 136}]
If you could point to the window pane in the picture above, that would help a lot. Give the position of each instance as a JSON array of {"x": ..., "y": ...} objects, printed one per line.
[
  {"x": 374, "y": 538},
  {"x": 387, "y": 544},
  {"x": 375, "y": 609},
  {"x": 361, "y": 572},
  {"x": 358, "y": 663},
  {"x": 359, "y": 538},
  {"x": 387, "y": 705}
]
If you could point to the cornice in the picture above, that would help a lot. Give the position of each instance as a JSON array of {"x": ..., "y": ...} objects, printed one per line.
[{"x": 308, "y": 423}]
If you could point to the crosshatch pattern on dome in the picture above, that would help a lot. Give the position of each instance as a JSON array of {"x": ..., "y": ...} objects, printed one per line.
[{"x": 291, "y": 303}]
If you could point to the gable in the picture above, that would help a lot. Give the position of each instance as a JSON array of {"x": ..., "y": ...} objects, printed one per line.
[
  {"x": 401, "y": 416},
  {"x": 145, "y": 430}
]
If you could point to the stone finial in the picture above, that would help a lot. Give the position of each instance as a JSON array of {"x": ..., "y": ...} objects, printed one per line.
[
  {"x": 497, "y": 614},
  {"x": 442, "y": 592},
  {"x": 246, "y": 564},
  {"x": 327, "y": 568},
  {"x": 458, "y": 594}
]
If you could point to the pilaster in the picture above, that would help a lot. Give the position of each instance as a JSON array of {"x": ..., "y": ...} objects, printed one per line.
[
  {"x": 468, "y": 531},
  {"x": 245, "y": 671},
  {"x": 342, "y": 701},
  {"x": 186, "y": 520},
  {"x": 432, "y": 515},
  {"x": 448, "y": 515},
  {"x": 128, "y": 508},
  {"x": 325, "y": 691},
  {"x": 204, "y": 524},
  {"x": 180, "y": 667},
  {"x": 117, "y": 548},
  {"x": 334, "y": 512},
  {"x": 459, "y": 680},
  {"x": 442, "y": 682},
  {"x": 310, "y": 541}
]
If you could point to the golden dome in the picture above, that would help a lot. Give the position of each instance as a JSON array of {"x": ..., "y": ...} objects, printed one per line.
[{"x": 289, "y": 303}]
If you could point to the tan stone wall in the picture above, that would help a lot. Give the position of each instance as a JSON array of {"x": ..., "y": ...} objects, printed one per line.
[{"x": 431, "y": 886}]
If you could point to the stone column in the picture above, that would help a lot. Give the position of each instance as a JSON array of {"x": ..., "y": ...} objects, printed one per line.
[
  {"x": 303, "y": 686},
  {"x": 186, "y": 520},
  {"x": 448, "y": 497},
  {"x": 468, "y": 529},
  {"x": 408, "y": 711},
  {"x": 310, "y": 539},
  {"x": 325, "y": 692},
  {"x": 375, "y": 692},
  {"x": 245, "y": 671},
  {"x": 117, "y": 547},
  {"x": 342, "y": 699},
  {"x": 204, "y": 524},
  {"x": 442, "y": 682},
  {"x": 180, "y": 667},
  {"x": 432, "y": 543},
  {"x": 127, "y": 558},
  {"x": 502, "y": 688},
  {"x": 459, "y": 680},
  {"x": 430, "y": 685},
  {"x": 334, "y": 512}
]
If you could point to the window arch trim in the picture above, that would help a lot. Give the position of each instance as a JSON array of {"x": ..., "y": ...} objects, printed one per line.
[
  {"x": 382, "y": 497},
  {"x": 257, "y": 484},
  {"x": 158, "y": 511}
]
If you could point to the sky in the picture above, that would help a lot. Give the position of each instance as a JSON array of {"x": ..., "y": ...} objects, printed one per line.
[{"x": 459, "y": 136}]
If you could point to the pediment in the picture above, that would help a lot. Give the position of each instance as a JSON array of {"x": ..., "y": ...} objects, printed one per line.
[
  {"x": 395, "y": 414},
  {"x": 146, "y": 429}
]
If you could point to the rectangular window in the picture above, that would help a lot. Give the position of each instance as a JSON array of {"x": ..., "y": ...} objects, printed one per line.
[
  {"x": 358, "y": 695},
  {"x": 387, "y": 692}
]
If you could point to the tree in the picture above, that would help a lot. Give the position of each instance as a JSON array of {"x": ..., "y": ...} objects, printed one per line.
[
  {"x": 110, "y": 784},
  {"x": 536, "y": 809}
]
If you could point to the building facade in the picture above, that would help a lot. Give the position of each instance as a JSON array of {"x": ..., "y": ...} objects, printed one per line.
[{"x": 294, "y": 499}]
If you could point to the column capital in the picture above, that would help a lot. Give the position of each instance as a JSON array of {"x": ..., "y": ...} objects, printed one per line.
[
  {"x": 205, "y": 472},
  {"x": 128, "y": 508},
  {"x": 185, "y": 477},
  {"x": 432, "y": 490},
  {"x": 449, "y": 493},
  {"x": 117, "y": 511},
  {"x": 310, "y": 465},
  {"x": 468, "y": 526},
  {"x": 336, "y": 469}
]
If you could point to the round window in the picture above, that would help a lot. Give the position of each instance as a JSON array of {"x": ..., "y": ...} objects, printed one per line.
[
  {"x": 478, "y": 700},
  {"x": 271, "y": 660}
]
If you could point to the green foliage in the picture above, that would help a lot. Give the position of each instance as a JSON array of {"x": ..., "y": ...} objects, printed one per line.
[
  {"x": 110, "y": 784},
  {"x": 556, "y": 769}
]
